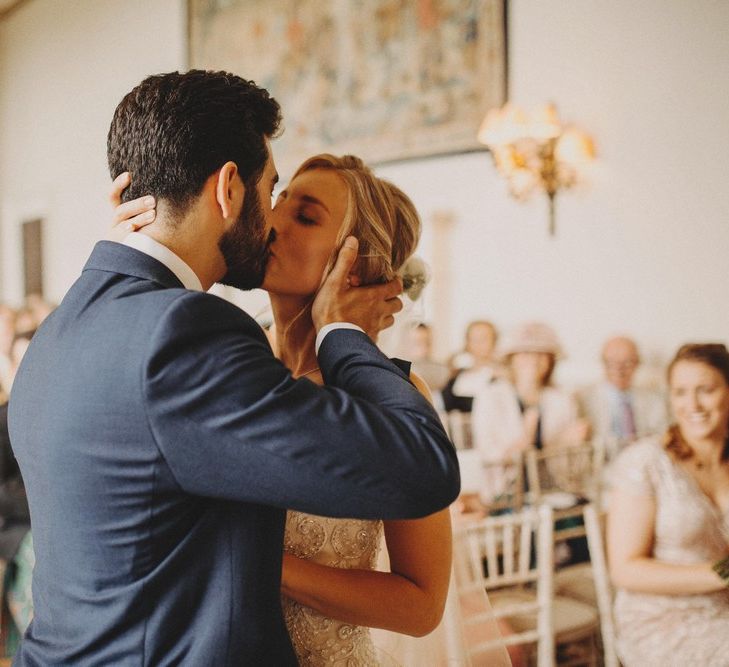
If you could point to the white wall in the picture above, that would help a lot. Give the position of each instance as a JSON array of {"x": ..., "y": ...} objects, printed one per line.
[
  {"x": 64, "y": 66},
  {"x": 643, "y": 249}
]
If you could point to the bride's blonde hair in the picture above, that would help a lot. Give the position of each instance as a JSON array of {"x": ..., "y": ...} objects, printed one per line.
[{"x": 379, "y": 214}]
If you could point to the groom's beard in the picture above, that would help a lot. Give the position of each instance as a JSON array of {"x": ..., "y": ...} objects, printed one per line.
[{"x": 245, "y": 245}]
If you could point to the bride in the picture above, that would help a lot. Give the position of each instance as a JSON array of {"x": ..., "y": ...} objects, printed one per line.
[{"x": 331, "y": 592}]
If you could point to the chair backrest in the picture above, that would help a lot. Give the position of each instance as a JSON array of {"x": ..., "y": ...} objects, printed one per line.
[
  {"x": 595, "y": 530},
  {"x": 503, "y": 551},
  {"x": 576, "y": 470},
  {"x": 502, "y": 485},
  {"x": 499, "y": 485},
  {"x": 458, "y": 427}
]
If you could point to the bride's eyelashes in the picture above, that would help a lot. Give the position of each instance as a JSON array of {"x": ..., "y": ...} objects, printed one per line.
[
  {"x": 302, "y": 215},
  {"x": 305, "y": 220}
]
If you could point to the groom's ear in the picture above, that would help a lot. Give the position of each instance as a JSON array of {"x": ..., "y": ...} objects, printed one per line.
[{"x": 229, "y": 191}]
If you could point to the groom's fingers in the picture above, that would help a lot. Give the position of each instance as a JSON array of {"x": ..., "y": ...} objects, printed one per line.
[
  {"x": 393, "y": 288},
  {"x": 371, "y": 307},
  {"x": 395, "y": 305},
  {"x": 385, "y": 292},
  {"x": 345, "y": 261}
]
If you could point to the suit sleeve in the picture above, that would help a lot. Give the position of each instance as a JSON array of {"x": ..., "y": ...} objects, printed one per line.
[{"x": 231, "y": 422}]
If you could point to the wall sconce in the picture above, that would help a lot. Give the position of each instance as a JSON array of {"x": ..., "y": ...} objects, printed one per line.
[{"x": 535, "y": 151}]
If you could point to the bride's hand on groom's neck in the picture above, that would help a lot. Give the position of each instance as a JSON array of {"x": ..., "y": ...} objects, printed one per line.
[
  {"x": 372, "y": 307},
  {"x": 129, "y": 216}
]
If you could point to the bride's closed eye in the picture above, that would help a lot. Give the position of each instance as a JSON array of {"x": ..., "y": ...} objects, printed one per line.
[{"x": 304, "y": 219}]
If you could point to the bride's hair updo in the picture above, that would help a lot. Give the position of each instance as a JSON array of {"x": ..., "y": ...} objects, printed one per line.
[{"x": 384, "y": 220}]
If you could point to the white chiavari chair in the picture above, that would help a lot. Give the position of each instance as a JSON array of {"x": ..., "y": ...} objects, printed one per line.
[
  {"x": 567, "y": 478},
  {"x": 595, "y": 528},
  {"x": 509, "y": 556}
]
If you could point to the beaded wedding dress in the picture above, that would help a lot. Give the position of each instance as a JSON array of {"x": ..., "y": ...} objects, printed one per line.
[
  {"x": 344, "y": 543},
  {"x": 319, "y": 640}
]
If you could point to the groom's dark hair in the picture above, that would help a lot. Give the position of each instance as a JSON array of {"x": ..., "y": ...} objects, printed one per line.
[{"x": 174, "y": 130}]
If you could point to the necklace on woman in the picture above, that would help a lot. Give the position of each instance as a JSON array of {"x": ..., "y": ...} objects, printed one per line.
[{"x": 309, "y": 372}]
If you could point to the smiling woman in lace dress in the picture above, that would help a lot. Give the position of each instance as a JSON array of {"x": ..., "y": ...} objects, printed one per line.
[{"x": 668, "y": 524}]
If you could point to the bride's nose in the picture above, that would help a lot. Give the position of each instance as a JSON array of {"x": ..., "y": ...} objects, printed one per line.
[
  {"x": 278, "y": 223},
  {"x": 271, "y": 223}
]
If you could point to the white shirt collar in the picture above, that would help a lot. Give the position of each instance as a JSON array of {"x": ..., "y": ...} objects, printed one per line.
[
  {"x": 150, "y": 247},
  {"x": 617, "y": 395}
]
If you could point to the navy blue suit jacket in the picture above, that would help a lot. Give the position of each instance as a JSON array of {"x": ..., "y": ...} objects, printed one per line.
[{"x": 160, "y": 443}]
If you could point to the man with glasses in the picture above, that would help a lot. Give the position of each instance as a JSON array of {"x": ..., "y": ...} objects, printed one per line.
[{"x": 619, "y": 411}]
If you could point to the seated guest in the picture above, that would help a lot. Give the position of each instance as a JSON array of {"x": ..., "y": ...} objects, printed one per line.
[
  {"x": 668, "y": 524},
  {"x": 17, "y": 351},
  {"x": 25, "y": 320},
  {"x": 39, "y": 308},
  {"x": 511, "y": 417},
  {"x": 420, "y": 353},
  {"x": 458, "y": 393},
  {"x": 619, "y": 411},
  {"x": 16, "y": 545},
  {"x": 14, "y": 515},
  {"x": 525, "y": 411},
  {"x": 7, "y": 334}
]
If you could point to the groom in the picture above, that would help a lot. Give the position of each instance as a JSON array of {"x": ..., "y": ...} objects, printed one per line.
[{"x": 159, "y": 439}]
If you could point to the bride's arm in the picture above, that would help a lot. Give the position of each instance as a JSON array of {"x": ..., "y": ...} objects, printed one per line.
[
  {"x": 409, "y": 599},
  {"x": 129, "y": 216}
]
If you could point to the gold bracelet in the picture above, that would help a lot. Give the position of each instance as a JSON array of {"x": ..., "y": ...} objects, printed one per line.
[{"x": 721, "y": 567}]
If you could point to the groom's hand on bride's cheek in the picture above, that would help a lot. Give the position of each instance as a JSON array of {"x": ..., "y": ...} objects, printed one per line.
[
  {"x": 372, "y": 307},
  {"x": 129, "y": 216}
]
